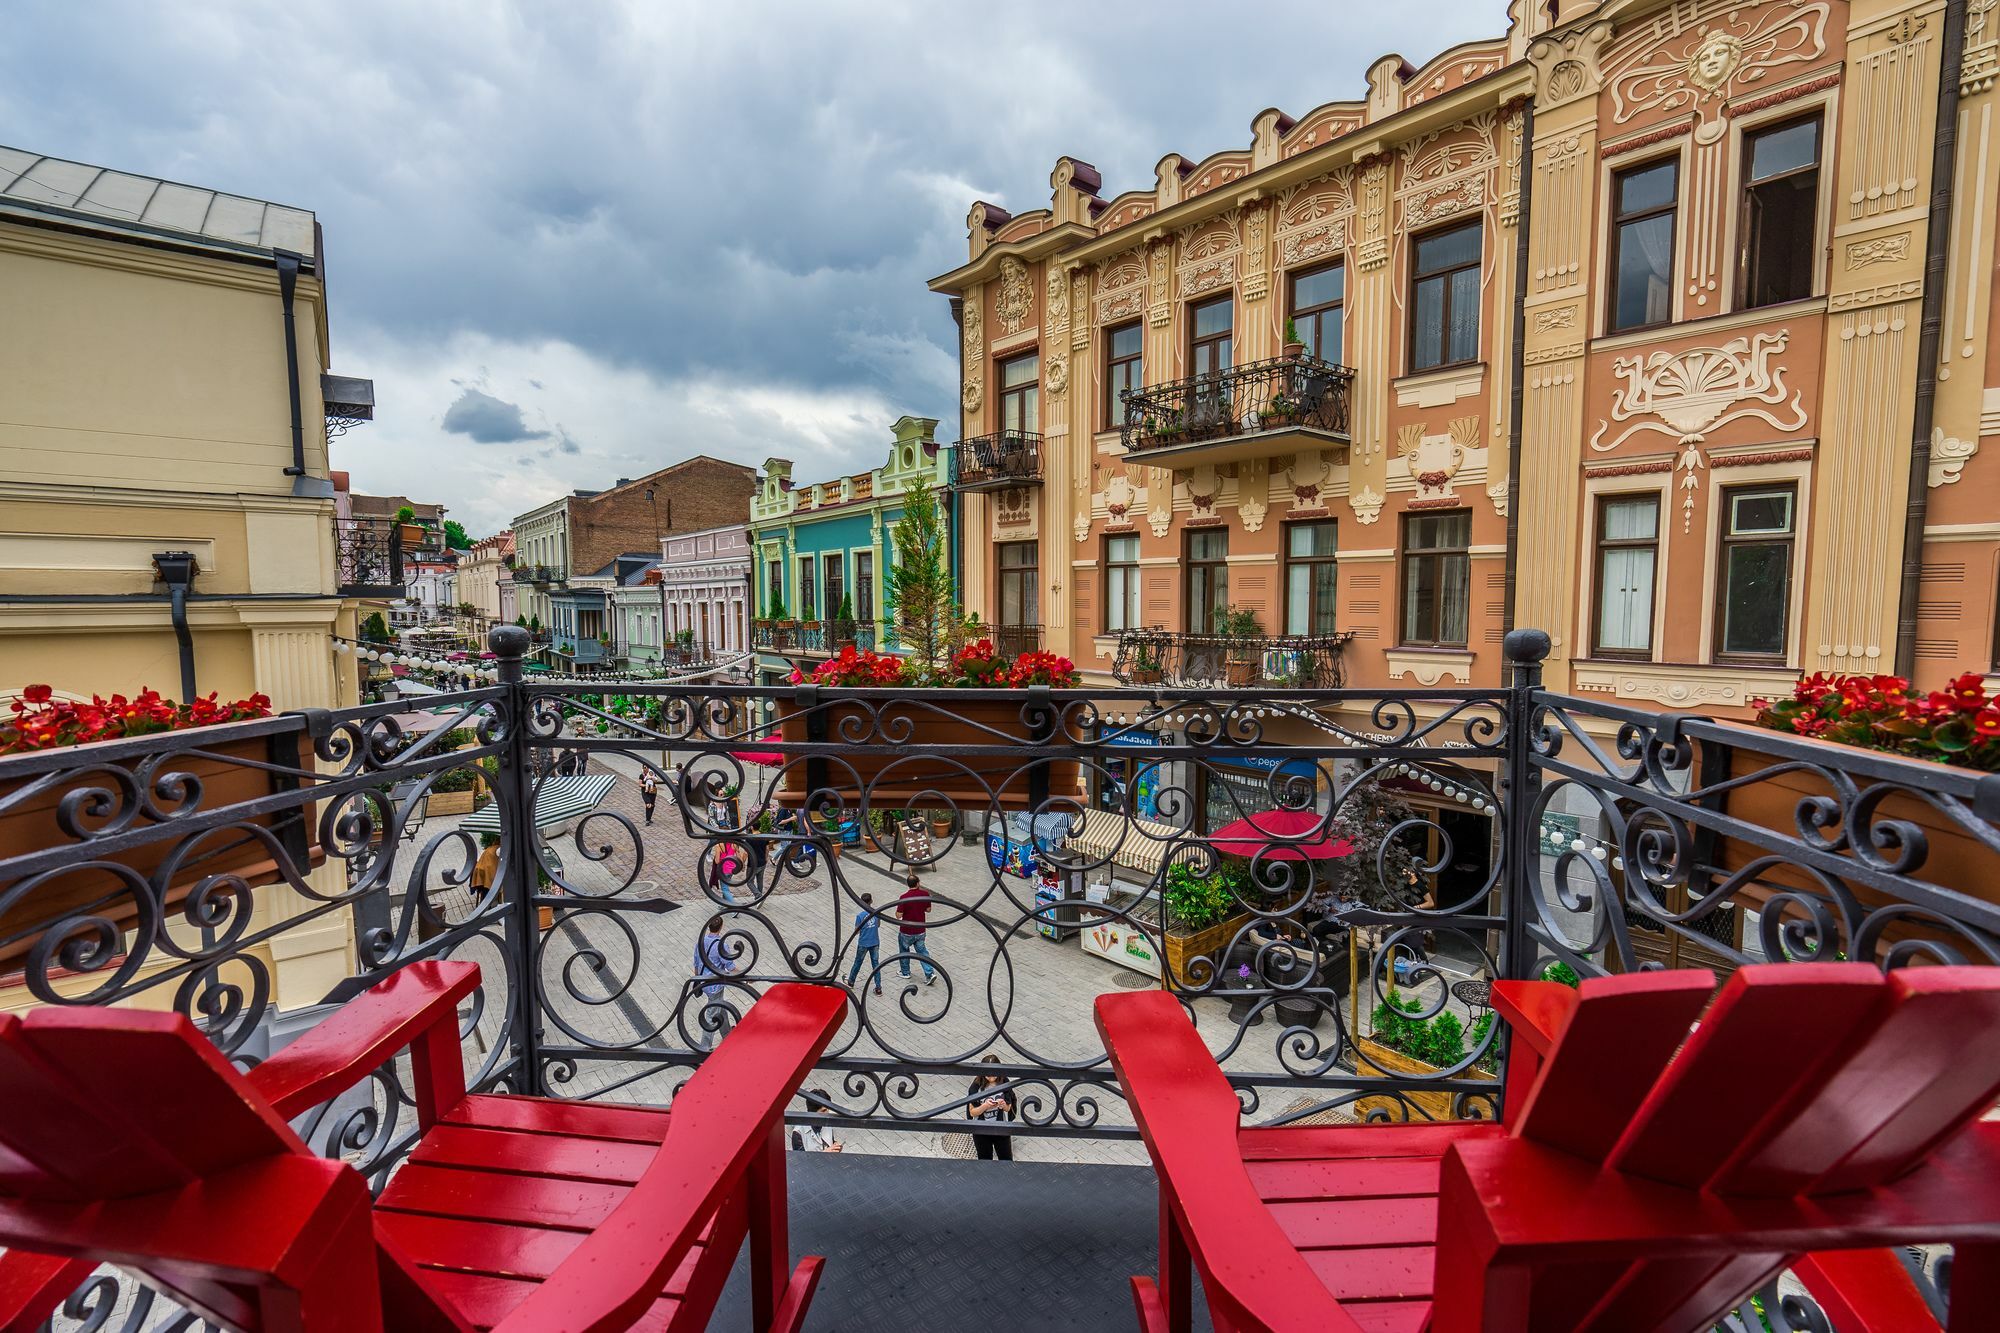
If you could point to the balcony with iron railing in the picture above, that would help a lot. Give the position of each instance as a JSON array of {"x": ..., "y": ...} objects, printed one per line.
[
  {"x": 1495, "y": 833},
  {"x": 368, "y": 555},
  {"x": 995, "y": 462},
  {"x": 1250, "y": 411},
  {"x": 1194, "y": 661},
  {"x": 1013, "y": 640}
]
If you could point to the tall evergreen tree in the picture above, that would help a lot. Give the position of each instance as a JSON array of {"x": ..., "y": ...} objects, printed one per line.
[{"x": 919, "y": 593}]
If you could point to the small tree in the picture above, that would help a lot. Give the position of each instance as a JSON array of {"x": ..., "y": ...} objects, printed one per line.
[
  {"x": 375, "y": 629},
  {"x": 406, "y": 515},
  {"x": 454, "y": 536},
  {"x": 776, "y": 610},
  {"x": 1385, "y": 870},
  {"x": 846, "y": 609},
  {"x": 919, "y": 594},
  {"x": 521, "y": 621},
  {"x": 534, "y": 624}
]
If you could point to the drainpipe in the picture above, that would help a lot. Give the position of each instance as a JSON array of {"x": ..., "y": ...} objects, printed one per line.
[
  {"x": 1517, "y": 371},
  {"x": 177, "y": 570},
  {"x": 1937, "y": 253},
  {"x": 288, "y": 282}
]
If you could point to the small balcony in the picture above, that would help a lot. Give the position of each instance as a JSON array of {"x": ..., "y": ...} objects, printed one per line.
[
  {"x": 1250, "y": 411},
  {"x": 1212, "y": 661},
  {"x": 1013, "y": 640},
  {"x": 368, "y": 552},
  {"x": 582, "y": 651},
  {"x": 542, "y": 576},
  {"x": 995, "y": 462}
]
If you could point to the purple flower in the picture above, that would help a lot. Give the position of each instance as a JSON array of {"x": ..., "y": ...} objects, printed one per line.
[{"x": 1244, "y": 971}]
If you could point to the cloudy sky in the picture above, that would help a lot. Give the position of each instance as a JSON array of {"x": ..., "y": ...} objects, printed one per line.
[{"x": 572, "y": 241}]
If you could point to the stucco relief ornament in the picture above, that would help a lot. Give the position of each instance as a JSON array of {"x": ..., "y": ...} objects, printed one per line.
[
  {"x": 1307, "y": 474},
  {"x": 1367, "y": 505},
  {"x": 1057, "y": 375},
  {"x": 972, "y": 395},
  {"x": 1698, "y": 390},
  {"x": 1949, "y": 457},
  {"x": 1721, "y": 60},
  {"x": 1159, "y": 500},
  {"x": 1017, "y": 298}
]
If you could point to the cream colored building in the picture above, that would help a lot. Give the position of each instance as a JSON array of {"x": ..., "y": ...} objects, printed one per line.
[
  {"x": 481, "y": 572},
  {"x": 164, "y": 402}
]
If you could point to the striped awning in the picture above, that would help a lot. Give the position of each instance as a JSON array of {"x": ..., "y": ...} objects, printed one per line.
[{"x": 560, "y": 799}]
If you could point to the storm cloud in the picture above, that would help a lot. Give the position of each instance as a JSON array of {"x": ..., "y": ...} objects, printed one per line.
[{"x": 647, "y": 229}]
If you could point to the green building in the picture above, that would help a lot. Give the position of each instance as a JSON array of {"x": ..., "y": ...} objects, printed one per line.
[{"x": 822, "y": 547}]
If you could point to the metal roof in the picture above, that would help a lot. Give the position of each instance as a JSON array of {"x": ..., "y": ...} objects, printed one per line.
[{"x": 128, "y": 204}]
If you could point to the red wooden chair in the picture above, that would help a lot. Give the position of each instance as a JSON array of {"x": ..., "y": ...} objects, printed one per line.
[
  {"x": 127, "y": 1138},
  {"x": 1646, "y": 1178}
]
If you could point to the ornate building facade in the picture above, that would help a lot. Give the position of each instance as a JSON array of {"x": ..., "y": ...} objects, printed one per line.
[{"x": 1612, "y": 325}]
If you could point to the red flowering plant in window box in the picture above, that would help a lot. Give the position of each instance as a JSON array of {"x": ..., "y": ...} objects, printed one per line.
[
  {"x": 897, "y": 751},
  {"x": 69, "y": 775},
  {"x": 1959, "y": 724}
]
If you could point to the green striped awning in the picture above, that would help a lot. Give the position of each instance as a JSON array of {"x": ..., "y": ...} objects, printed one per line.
[{"x": 559, "y": 799}]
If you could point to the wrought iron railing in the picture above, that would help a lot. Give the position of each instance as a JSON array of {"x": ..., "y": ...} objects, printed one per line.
[
  {"x": 1013, "y": 640},
  {"x": 1263, "y": 661},
  {"x": 776, "y": 635},
  {"x": 1494, "y": 833},
  {"x": 368, "y": 554},
  {"x": 1284, "y": 393},
  {"x": 1004, "y": 458}
]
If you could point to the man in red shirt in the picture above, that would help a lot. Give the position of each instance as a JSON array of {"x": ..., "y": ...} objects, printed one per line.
[{"x": 912, "y": 911}]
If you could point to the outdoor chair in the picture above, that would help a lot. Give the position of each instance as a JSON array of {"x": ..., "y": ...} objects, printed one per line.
[
  {"x": 1645, "y": 1179},
  {"x": 127, "y": 1138}
]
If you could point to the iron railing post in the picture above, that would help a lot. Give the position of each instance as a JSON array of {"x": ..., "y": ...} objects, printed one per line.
[
  {"x": 1525, "y": 649},
  {"x": 517, "y": 851}
]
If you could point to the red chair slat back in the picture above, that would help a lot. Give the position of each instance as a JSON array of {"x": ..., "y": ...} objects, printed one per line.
[
  {"x": 1619, "y": 1035},
  {"x": 1760, "y": 1054}
]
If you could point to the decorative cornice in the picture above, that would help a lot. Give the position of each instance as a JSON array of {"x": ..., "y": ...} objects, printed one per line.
[
  {"x": 1783, "y": 95},
  {"x": 1630, "y": 469},
  {"x": 1759, "y": 460}
]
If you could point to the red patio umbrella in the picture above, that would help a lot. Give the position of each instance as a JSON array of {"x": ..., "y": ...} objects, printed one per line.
[
  {"x": 1277, "y": 834},
  {"x": 761, "y": 758}
]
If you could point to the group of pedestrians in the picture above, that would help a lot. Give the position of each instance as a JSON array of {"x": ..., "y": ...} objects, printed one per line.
[{"x": 912, "y": 916}]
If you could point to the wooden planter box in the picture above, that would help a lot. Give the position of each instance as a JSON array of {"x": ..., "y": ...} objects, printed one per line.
[
  {"x": 32, "y": 826},
  {"x": 1434, "y": 1105},
  {"x": 1183, "y": 947},
  {"x": 899, "y": 770},
  {"x": 1956, "y": 860},
  {"x": 457, "y": 802}
]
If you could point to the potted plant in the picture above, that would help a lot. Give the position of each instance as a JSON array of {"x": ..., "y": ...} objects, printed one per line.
[
  {"x": 1200, "y": 915},
  {"x": 1283, "y": 410},
  {"x": 1295, "y": 346},
  {"x": 941, "y": 822},
  {"x": 1957, "y": 728},
  {"x": 890, "y": 739},
  {"x": 1402, "y": 1044},
  {"x": 1145, "y": 668},
  {"x": 1240, "y": 623},
  {"x": 84, "y": 758},
  {"x": 843, "y": 624}
]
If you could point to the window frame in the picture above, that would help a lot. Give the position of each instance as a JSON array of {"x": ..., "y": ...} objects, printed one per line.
[
  {"x": 834, "y": 562},
  {"x": 1725, "y": 540},
  {"x": 1416, "y": 278},
  {"x": 1615, "y": 242},
  {"x": 1029, "y": 390},
  {"x": 864, "y": 585},
  {"x": 1599, "y": 546},
  {"x": 1310, "y": 563},
  {"x": 1740, "y": 288},
  {"x": 808, "y": 606},
  {"x": 1205, "y": 565},
  {"x": 1028, "y": 576},
  {"x": 1131, "y": 569},
  {"x": 1196, "y": 344},
  {"x": 1137, "y": 360},
  {"x": 1336, "y": 307},
  {"x": 1436, "y": 555}
]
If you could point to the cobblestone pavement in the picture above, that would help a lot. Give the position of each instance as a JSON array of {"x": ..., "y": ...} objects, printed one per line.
[{"x": 614, "y": 978}]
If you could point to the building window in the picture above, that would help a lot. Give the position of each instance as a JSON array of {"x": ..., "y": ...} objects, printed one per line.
[
  {"x": 864, "y": 586},
  {"x": 1124, "y": 368},
  {"x": 1121, "y": 582},
  {"x": 1444, "y": 297},
  {"x": 1311, "y": 578},
  {"x": 806, "y": 611},
  {"x": 1437, "y": 578},
  {"x": 1207, "y": 579},
  {"x": 1643, "y": 202},
  {"x": 774, "y": 582},
  {"x": 1019, "y": 586},
  {"x": 1628, "y": 554},
  {"x": 1212, "y": 336},
  {"x": 1753, "y": 585},
  {"x": 834, "y": 586},
  {"x": 1780, "y": 213},
  {"x": 1317, "y": 295},
  {"x": 1021, "y": 394}
]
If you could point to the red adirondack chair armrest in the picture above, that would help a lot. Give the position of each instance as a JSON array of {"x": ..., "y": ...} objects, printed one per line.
[
  {"x": 1535, "y": 1011},
  {"x": 415, "y": 1007},
  {"x": 33, "y": 1285},
  {"x": 1512, "y": 1201},
  {"x": 719, "y": 1122},
  {"x": 1188, "y": 1117},
  {"x": 1867, "y": 1291}
]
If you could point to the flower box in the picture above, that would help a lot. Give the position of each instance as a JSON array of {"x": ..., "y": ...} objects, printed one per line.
[
  {"x": 1430, "y": 1105},
  {"x": 1183, "y": 947},
  {"x": 224, "y": 768},
  {"x": 888, "y": 750}
]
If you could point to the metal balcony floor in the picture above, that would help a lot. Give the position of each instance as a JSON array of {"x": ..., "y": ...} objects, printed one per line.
[{"x": 924, "y": 1243}]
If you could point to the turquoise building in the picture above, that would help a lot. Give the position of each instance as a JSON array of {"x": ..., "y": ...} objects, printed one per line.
[{"x": 821, "y": 547}]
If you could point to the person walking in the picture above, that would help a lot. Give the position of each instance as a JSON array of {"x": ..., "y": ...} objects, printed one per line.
[
  {"x": 867, "y": 943},
  {"x": 649, "y": 791},
  {"x": 711, "y": 959},
  {"x": 991, "y": 1102},
  {"x": 913, "y": 911}
]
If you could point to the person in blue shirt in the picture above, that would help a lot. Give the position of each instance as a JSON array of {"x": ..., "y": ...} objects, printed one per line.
[
  {"x": 712, "y": 962},
  {"x": 867, "y": 942}
]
